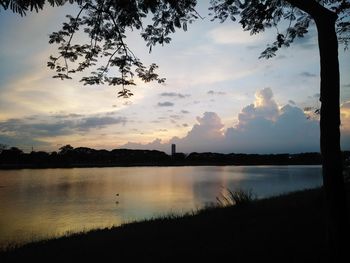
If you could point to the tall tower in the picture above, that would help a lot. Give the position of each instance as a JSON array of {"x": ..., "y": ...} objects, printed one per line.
[{"x": 173, "y": 150}]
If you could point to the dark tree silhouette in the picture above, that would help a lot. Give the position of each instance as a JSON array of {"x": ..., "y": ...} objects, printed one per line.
[
  {"x": 65, "y": 149},
  {"x": 2, "y": 147},
  {"x": 331, "y": 18},
  {"x": 106, "y": 23}
]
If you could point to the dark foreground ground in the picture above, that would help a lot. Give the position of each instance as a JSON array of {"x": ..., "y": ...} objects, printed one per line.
[{"x": 288, "y": 228}]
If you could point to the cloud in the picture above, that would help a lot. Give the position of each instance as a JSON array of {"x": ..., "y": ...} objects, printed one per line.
[
  {"x": 175, "y": 117},
  {"x": 209, "y": 127},
  {"x": 23, "y": 128},
  {"x": 345, "y": 125},
  {"x": 345, "y": 116},
  {"x": 154, "y": 145},
  {"x": 262, "y": 127},
  {"x": 185, "y": 112},
  {"x": 65, "y": 116},
  {"x": 165, "y": 104},
  {"x": 173, "y": 94},
  {"x": 231, "y": 34},
  {"x": 308, "y": 41},
  {"x": 211, "y": 92},
  {"x": 99, "y": 122},
  {"x": 263, "y": 107},
  {"x": 23, "y": 142},
  {"x": 281, "y": 57},
  {"x": 29, "y": 129},
  {"x": 308, "y": 74},
  {"x": 252, "y": 47},
  {"x": 345, "y": 105},
  {"x": 291, "y": 131}
]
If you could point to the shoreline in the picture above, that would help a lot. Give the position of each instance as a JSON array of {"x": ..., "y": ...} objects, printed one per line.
[
  {"x": 14, "y": 158},
  {"x": 18, "y": 167}
]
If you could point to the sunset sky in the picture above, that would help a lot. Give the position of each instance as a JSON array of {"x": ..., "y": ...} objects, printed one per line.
[{"x": 218, "y": 95}]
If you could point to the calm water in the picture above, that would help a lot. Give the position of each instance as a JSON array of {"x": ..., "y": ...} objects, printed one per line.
[{"x": 36, "y": 204}]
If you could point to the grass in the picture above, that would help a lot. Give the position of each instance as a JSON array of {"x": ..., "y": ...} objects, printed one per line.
[
  {"x": 288, "y": 228},
  {"x": 238, "y": 197}
]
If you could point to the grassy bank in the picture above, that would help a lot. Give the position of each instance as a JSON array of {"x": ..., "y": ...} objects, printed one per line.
[{"x": 289, "y": 228}]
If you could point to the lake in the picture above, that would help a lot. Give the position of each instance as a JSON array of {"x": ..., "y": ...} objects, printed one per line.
[{"x": 41, "y": 203}]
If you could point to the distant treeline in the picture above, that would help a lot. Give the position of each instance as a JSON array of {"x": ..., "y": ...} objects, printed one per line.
[{"x": 67, "y": 156}]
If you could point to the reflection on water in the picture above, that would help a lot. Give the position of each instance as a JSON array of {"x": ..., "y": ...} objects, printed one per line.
[{"x": 36, "y": 204}]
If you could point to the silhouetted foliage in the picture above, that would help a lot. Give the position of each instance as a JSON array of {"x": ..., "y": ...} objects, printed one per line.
[
  {"x": 2, "y": 147},
  {"x": 23, "y": 6},
  {"x": 65, "y": 149},
  {"x": 69, "y": 156},
  {"x": 12, "y": 155},
  {"x": 256, "y": 16},
  {"x": 106, "y": 24},
  {"x": 239, "y": 197}
]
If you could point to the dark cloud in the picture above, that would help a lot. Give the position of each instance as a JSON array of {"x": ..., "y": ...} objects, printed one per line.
[
  {"x": 67, "y": 116},
  {"x": 291, "y": 102},
  {"x": 184, "y": 125},
  {"x": 99, "y": 122},
  {"x": 175, "y": 117},
  {"x": 22, "y": 128},
  {"x": 32, "y": 118},
  {"x": 346, "y": 85},
  {"x": 212, "y": 92},
  {"x": 166, "y": 104},
  {"x": 308, "y": 74},
  {"x": 24, "y": 143},
  {"x": 185, "y": 112},
  {"x": 173, "y": 94},
  {"x": 111, "y": 113}
]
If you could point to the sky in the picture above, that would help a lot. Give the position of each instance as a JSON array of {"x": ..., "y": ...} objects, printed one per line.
[{"x": 218, "y": 96}]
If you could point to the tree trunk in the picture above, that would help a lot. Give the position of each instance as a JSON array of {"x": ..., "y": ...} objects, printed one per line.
[{"x": 333, "y": 180}]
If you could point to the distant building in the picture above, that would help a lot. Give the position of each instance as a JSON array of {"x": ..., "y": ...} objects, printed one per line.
[{"x": 173, "y": 150}]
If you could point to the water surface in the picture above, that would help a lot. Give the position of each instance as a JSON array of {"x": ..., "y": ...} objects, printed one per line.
[{"x": 41, "y": 203}]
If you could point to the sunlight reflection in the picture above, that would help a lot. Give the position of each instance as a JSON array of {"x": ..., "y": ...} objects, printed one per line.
[{"x": 42, "y": 203}]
